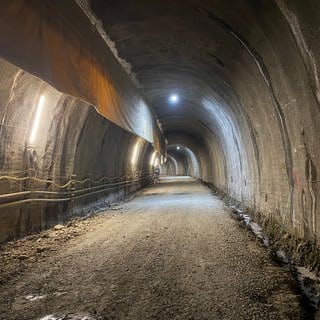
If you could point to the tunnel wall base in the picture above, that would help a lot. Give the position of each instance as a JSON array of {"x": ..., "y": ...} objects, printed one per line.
[
  {"x": 20, "y": 221},
  {"x": 302, "y": 252}
]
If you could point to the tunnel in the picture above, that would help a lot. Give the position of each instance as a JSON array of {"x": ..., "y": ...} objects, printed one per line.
[{"x": 102, "y": 100}]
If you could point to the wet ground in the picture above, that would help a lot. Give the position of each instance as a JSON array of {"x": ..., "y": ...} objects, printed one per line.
[{"x": 172, "y": 252}]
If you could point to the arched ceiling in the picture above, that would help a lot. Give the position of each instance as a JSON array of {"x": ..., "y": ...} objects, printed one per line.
[
  {"x": 173, "y": 46},
  {"x": 246, "y": 71},
  {"x": 187, "y": 48},
  {"x": 247, "y": 75}
]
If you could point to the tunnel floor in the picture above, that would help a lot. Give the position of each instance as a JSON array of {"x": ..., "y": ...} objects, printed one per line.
[{"x": 172, "y": 252}]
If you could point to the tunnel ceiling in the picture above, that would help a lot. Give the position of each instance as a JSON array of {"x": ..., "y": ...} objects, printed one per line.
[
  {"x": 247, "y": 75},
  {"x": 177, "y": 46},
  {"x": 213, "y": 53}
]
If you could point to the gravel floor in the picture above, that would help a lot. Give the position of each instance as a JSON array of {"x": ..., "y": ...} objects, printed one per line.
[{"x": 172, "y": 252}]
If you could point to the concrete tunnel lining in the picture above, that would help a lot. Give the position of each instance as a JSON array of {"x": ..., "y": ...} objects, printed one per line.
[
  {"x": 248, "y": 110},
  {"x": 49, "y": 175},
  {"x": 185, "y": 162},
  {"x": 94, "y": 76},
  {"x": 242, "y": 88}
]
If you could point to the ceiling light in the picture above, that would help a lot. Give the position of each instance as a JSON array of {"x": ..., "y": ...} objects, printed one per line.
[{"x": 174, "y": 98}]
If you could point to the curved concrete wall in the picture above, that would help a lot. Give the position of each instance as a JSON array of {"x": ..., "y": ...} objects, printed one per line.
[
  {"x": 181, "y": 161},
  {"x": 59, "y": 157},
  {"x": 247, "y": 73},
  {"x": 56, "y": 42},
  {"x": 170, "y": 168}
]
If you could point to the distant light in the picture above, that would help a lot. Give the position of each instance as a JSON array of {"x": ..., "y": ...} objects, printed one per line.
[
  {"x": 178, "y": 148},
  {"x": 37, "y": 119},
  {"x": 174, "y": 98}
]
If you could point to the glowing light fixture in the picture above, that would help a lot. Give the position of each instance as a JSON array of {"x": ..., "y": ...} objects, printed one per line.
[
  {"x": 135, "y": 154},
  {"x": 178, "y": 148},
  {"x": 174, "y": 98},
  {"x": 153, "y": 158},
  {"x": 37, "y": 119}
]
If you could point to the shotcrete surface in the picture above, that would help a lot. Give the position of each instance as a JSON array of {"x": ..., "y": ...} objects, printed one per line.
[{"x": 172, "y": 252}]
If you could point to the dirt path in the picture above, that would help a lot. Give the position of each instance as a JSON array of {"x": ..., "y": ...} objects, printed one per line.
[{"x": 171, "y": 253}]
